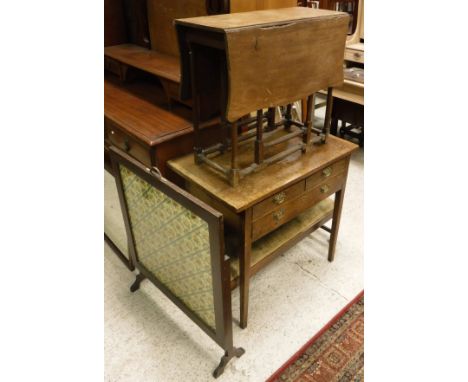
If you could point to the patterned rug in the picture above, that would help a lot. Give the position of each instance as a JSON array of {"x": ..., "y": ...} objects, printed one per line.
[{"x": 336, "y": 353}]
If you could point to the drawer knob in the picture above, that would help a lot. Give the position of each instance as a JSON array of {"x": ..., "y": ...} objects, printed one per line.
[
  {"x": 324, "y": 189},
  {"x": 327, "y": 172},
  {"x": 357, "y": 55},
  {"x": 112, "y": 132},
  {"x": 278, "y": 215},
  {"x": 126, "y": 145},
  {"x": 278, "y": 199}
]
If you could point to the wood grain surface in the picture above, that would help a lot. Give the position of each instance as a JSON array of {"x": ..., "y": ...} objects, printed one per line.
[
  {"x": 159, "y": 64},
  {"x": 140, "y": 109},
  {"x": 263, "y": 47},
  {"x": 254, "y": 5},
  {"x": 222, "y": 23},
  {"x": 161, "y": 15}
]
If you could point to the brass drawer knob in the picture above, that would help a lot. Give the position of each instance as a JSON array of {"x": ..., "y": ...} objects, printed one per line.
[
  {"x": 278, "y": 215},
  {"x": 280, "y": 198},
  {"x": 324, "y": 189},
  {"x": 327, "y": 172}
]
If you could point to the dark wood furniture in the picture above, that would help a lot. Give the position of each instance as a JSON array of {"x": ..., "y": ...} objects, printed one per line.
[
  {"x": 239, "y": 50},
  {"x": 138, "y": 121},
  {"x": 349, "y": 6},
  {"x": 177, "y": 243},
  {"x": 159, "y": 57},
  {"x": 351, "y": 116},
  {"x": 270, "y": 211},
  {"x": 348, "y": 99}
]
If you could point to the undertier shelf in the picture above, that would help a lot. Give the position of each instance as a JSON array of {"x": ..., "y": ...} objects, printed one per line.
[{"x": 271, "y": 243}]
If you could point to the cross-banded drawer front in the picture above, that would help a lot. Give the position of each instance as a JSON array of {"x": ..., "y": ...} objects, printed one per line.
[
  {"x": 126, "y": 143},
  {"x": 289, "y": 210},
  {"x": 337, "y": 168},
  {"x": 278, "y": 199}
]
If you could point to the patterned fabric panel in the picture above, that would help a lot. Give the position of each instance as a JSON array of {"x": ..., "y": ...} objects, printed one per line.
[{"x": 172, "y": 243}]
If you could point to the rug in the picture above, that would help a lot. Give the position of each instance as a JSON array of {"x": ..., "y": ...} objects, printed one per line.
[{"x": 335, "y": 353}]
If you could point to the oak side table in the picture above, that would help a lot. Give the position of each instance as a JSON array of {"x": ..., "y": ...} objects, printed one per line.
[{"x": 271, "y": 210}]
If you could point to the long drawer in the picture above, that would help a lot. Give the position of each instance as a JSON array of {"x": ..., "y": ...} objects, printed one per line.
[
  {"x": 289, "y": 210},
  {"x": 124, "y": 142}
]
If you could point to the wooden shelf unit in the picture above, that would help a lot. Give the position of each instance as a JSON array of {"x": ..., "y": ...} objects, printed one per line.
[{"x": 160, "y": 64}]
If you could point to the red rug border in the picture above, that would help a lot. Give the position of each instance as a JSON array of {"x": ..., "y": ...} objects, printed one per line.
[{"x": 296, "y": 355}]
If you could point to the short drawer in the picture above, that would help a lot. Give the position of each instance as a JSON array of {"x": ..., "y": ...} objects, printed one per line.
[
  {"x": 121, "y": 140},
  {"x": 282, "y": 214},
  {"x": 354, "y": 55},
  {"x": 111, "y": 65},
  {"x": 337, "y": 168},
  {"x": 278, "y": 199}
]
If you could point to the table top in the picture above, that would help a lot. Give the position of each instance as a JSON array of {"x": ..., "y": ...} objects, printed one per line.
[
  {"x": 232, "y": 21},
  {"x": 264, "y": 183}
]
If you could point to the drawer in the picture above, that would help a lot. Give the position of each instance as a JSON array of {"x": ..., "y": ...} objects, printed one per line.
[
  {"x": 334, "y": 169},
  {"x": 126, "y": 143},
  {"x": 274, "y": 201},
  {"x": 354, "y": 55},
  {"x": 289, "y": 210},
  {"x": 112, "y": 65}
]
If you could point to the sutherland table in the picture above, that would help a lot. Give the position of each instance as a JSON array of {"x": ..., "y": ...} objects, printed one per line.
[{"x": 271, "y": 210}]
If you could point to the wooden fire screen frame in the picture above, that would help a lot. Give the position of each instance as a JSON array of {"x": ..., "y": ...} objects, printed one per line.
[{"x": 177, "y": 242}]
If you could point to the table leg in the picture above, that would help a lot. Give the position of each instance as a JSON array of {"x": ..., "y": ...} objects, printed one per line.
[
  {"x": 244, "y": 260},
  {"x": 334, "y": 126},
  {"x": 339, "y": 196}
]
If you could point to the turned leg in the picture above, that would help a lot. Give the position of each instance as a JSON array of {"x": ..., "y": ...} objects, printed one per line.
[
  {"x": 309, "y": 122},
  {"x": 328, "y": 114},
  {"x": 234, "y": 175},
  {"x": 259, "y": 147},
  {"x": 271, "y": 118},
  {"x": 288, "y": 117}
]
